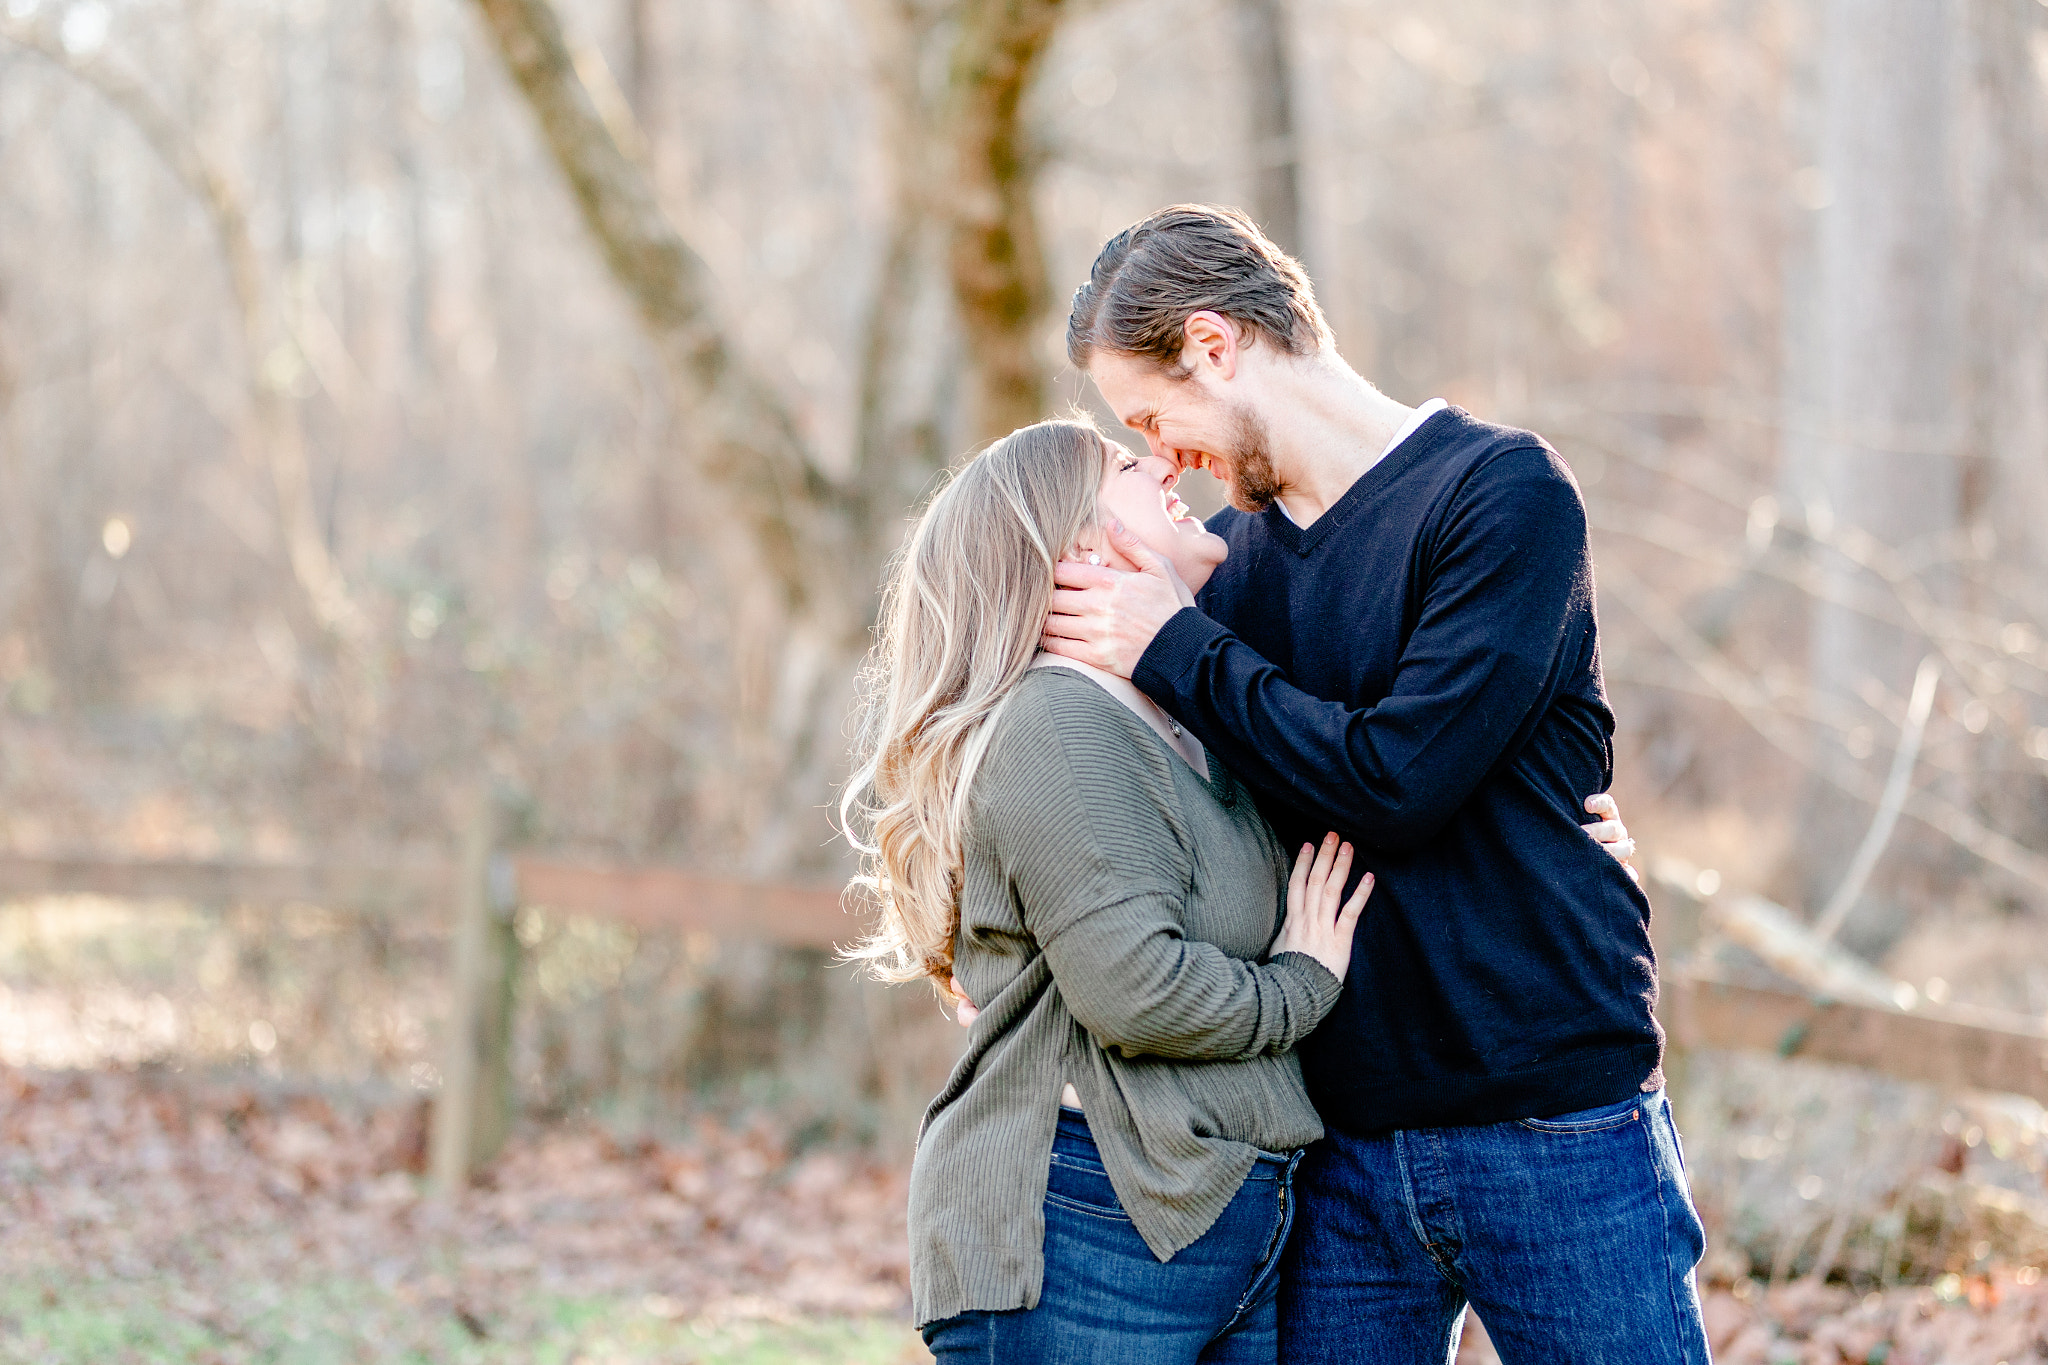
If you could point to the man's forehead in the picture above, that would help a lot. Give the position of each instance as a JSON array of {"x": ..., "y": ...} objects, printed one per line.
[{"x": 1122, "y": 385}]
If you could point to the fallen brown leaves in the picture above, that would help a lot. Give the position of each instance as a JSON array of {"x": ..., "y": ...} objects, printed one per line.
[
  {"x": 1992, "y": 1319},
  {"x": 133, "y": 1176}
]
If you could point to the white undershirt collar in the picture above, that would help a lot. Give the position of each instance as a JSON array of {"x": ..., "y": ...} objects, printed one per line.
[{"x": 1408, "y": 428}]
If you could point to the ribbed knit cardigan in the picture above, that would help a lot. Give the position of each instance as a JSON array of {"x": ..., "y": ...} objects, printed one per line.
[{"x": 1114, "y": 908}]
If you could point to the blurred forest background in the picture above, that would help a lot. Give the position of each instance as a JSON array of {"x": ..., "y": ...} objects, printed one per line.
[{"x": 406, "y": 397}]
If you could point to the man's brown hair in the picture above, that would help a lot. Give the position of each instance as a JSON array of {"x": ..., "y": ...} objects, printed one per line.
[{"x": 1150, "y": 277}]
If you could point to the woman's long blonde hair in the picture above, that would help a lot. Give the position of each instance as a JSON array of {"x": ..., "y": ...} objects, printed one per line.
[{"x": 963, "y": 606}]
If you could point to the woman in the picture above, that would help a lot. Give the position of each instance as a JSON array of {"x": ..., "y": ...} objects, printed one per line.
[{"x": 1106, "y": 1175}]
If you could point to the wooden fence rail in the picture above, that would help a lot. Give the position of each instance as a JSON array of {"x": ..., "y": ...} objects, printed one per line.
[
  {"x": 483, "y": 890},
  {"x": 650, "y": 897},
  {"x": 480, "y": 894}
]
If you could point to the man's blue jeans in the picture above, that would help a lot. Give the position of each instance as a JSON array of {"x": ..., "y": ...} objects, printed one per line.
[
  {"x": 1108, "y": 1301},
  {"x": 1573, "y": 1237}
]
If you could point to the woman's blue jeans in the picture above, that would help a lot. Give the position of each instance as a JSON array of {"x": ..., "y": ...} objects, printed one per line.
[
  {"x": 1574, "y": 1236},
  {"x": 1108, "y": 1301}
]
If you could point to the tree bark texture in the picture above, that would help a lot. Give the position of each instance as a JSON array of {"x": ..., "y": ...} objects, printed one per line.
[
  {"x": 1874, "y": 457},
  {"x": 1276, "y": 159},
  {"x": 998, "y": 260},
  {"x": 746, "y": 442},
  {"x": 819, "y": 540}
]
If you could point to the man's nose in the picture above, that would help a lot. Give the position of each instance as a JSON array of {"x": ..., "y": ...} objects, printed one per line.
[{"x": 1165, "y": 452}]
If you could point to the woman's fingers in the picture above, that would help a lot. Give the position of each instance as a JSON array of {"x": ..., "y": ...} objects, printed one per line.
[
  {"x": 1319, "y": 875},
  {"x": 1297, "y": 882},
  {"x": 1607, "y": 831},
  {"x": 1602, "y": 804},
  {"x": 1340, "y": 873},
  {"x": 1353, "y": 907}
]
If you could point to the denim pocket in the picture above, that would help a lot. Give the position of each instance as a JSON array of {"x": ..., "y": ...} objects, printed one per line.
[
  {"x": 1597, "y": 1120},
  {"x": 1082, "y": 1187}
]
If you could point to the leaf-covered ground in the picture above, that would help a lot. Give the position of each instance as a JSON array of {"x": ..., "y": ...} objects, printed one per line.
[{"x": 149, "y": 1218}]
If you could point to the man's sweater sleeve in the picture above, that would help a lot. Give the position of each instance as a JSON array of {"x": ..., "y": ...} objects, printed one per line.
[{"x": 1507, "y": 586}]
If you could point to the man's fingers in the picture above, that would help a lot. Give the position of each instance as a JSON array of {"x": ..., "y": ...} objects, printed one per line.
[
  {"x": 1134, "y": 549},
  {"x": 1065, "y": 648},
  {"x": 1066, "y": 625},
  {"x": 1068, "y": 574},
  {"x": 964, "y": 1009},
  {"x": 1072, "y": 602}
]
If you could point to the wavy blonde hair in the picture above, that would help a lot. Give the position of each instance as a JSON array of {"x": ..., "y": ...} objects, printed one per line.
[{"x": 963, "y": 606}]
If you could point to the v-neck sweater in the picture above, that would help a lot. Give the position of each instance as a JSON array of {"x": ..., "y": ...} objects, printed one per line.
[
  {"x": 1419, "y": 669},
  {"x": 1116, "y": 909}
]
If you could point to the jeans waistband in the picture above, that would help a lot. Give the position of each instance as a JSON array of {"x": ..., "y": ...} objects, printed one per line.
[{"x": 1073, "y": 1138}]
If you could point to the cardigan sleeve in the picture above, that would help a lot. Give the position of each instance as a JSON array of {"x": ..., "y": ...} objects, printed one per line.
[{"x": 1083, "y": 826}]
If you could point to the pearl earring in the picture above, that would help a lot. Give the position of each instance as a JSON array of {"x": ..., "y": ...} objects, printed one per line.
[{"x": 1094, "y": 558}]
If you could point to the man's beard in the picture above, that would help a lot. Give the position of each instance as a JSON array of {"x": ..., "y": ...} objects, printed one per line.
[{"x": 1253, "y": 482}]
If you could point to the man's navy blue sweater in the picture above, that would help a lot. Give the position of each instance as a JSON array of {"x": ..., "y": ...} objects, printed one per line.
[{"x": 1419, "y": 670}]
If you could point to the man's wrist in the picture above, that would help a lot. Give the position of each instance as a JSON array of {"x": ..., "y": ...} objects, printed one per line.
[{"x": 1174, "y": 652}]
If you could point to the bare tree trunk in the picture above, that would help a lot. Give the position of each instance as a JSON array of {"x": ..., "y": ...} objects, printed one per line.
[
  {"x": 999, "y": 275},
  {"x": 2005, "y": 474},
  {"x": 818, "y": 540},
  {"x": 642, "y": 61},
  {"x": 1879, "y": 458},
  {"x": 899, "y": 32},
  {"x": 1276, "y": 158},
  {"x": 2008, "y": 370}
]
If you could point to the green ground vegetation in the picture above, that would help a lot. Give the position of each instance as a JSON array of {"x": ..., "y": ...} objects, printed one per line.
[{"x": 114, "y": 1321}]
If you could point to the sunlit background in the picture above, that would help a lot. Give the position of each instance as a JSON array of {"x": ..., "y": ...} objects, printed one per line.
[{"x": 352, "y": 464}]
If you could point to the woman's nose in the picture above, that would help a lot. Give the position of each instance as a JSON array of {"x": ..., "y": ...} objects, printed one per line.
[{"x": 1163, "y": 468}]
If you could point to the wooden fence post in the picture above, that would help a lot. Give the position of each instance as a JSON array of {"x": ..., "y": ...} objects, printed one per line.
[
  {"x": 473, "y": 1112},
  {"x": 1675, "y": 933}
]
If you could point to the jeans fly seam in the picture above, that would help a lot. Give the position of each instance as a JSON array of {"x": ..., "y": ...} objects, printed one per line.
[
  {"x": 1457, "y": 1214},
  {"x": 1414, "y": 1205},
  {"x": 1446, "y": 1265},
  {"x": 1269, "y": 1263}
]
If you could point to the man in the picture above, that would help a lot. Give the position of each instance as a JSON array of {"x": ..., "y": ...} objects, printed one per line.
[{"x": 1402, "y": 646}]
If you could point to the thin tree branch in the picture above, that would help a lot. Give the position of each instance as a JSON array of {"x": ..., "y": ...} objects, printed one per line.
[
  {"x": 271, "y": 350},
  {"x": 1896, "y": 788},
  {"x": 1734, "y": 689},
  {"x": 799, "y": 521}
]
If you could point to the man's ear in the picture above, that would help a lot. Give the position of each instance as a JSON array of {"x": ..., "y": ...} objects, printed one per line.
[{"x": 1210, "y": 342}]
